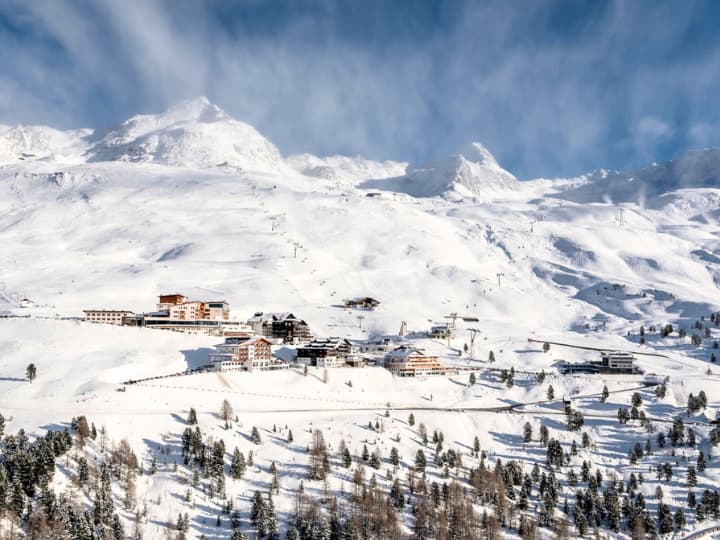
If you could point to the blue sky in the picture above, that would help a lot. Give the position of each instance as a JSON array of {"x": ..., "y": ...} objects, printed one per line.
[{"x": 552, "y": 88}]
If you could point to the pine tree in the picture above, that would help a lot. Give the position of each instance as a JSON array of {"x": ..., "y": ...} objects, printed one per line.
[
  {"x": 346, "y": 458},
  {"x": 255, "y": 435},
  {"x": 290, "y": 436},
  {"x": 420, "y": 461},
  {"x": 691, "y": 476},
  {"x": 605, "y": 394},
  {"x": 679, "y": 519},
  {"x": 365, "y": 453},
  {"x": 411, "y": 420},
  {"x": 550, "y": 393},
  {"x": 257, "y": 509},
  {"x": 31, "y": 372},
  {"x": 472, "y": 379},
  {"x": 665, "y": 519},
  {"x": 544, "y": 435},
  {"x": 192, "y": 417},
  {"x": 527, "y": 432},
  {"x": 394, "y": 456},
  {"x": 104, "y": 508},
  {"x": 237, "y": 465},
  {"x": 575, "y": 421},
  {"x": 375, "y": 460}
]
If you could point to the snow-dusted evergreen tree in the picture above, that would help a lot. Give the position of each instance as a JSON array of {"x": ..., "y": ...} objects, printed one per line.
[
  {"x": 255, "y": 435},
  {"x": 420, "y": 461},
  {"x": 527, "y": 432},
  {"x": 237, "y": 465}
]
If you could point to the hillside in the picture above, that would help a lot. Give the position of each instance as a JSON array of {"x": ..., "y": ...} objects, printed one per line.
[{"x": 194, "y": 201}]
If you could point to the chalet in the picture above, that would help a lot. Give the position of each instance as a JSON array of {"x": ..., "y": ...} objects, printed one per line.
[
  {"x": 175, "y": 312},
  {"x": 107, "y": 316},
  {"x": 161, "y": 320},
  {"x": 244, "y": 354},
  {"x": 178, "y": 306},
  {"x": 611, "y": 362},
  {"x": 327, "y": 352},
  {"x": 617, "y": 361},
  {"x": 408, "y": 361},
  {"x": 442, "y": 331},
  {"x": 364, "y": 302},
  {"x": 283, "y": 327},
  {"x": 379, "y": 346}
]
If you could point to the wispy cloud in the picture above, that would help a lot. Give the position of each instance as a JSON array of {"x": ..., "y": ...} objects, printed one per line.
[{"x": 550, "y": 88}]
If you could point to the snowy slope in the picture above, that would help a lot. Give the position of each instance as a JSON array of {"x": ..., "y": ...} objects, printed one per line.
[
  {"x": 344, "y": 168},
  {"x": 695, "y": 169},
  {"x": 579, "y": 261},
  {"x": 20, "y": 143}
]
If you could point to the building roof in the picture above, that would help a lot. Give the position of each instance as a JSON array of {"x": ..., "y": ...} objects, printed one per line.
[
  {"x": 405, "y": 351},
  {"x": 261, "y": 317},
  {"x": 363, "y": 300},
  {"x": 242, "y": 342},
  {"x": 102, "y": 310},
  {"x": 326, "y": 343}
]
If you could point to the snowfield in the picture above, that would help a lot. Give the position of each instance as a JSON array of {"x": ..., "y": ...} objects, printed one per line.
[{"x": 197, "y": 202}]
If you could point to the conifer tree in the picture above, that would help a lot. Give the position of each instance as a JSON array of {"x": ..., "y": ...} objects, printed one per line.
[
  {"x": 420, "y": 461},
  {"x": 394, "y": 456},
  {"x": 192, "y": 417},
  {"x": 527, "y": 432},
  {"x": 31, "y": 372},
  {"x": 255, "y": 436},
  {"x": 346, "y": 458},
  {"x": 237, "y": 465},
  {"x": 691, "y": 476}
]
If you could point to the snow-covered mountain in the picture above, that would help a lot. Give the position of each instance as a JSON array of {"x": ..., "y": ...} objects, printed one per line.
[
  {"x": 694, "y": 169},
  {"x": 470, "y": 172},
  {"x": 193, "y": 133}
]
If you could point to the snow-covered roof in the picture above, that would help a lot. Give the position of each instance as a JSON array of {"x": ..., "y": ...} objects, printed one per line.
[
  {"x": 404, "y": 351},
  {"x": 326, "y": 343},
  {"x": 261, "y": 317},
  {"x": 243, "y": 341}
]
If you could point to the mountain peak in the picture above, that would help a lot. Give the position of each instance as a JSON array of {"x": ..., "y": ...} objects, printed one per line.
[
  {"x": 470, "y": 171},
  {"x": 475, "y": 152},
  {"x": 198, "y": 109},
  {"x": 193, "y": 133}
]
